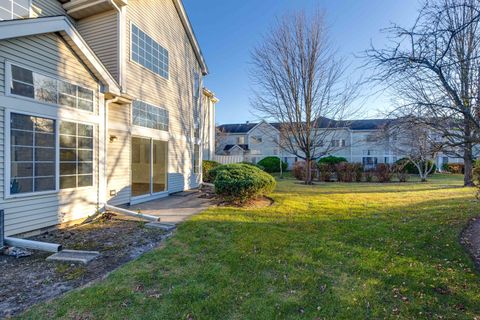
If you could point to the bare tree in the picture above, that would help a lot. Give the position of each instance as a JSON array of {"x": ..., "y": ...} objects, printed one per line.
[
  {"x": 299, "y": 84},
  {"x": 434, "y": 70},
  {"x": 416, "y": 141}
]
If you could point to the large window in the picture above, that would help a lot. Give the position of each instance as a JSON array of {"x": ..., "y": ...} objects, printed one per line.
[
  {"x": 76, "y": 155},
  {"x": 14, "y": 9},
  {"x": 148, "y": 53},
  {"x": 32, "y": 85},
  {"x": 146, "y": 115},
  {"x": 32, "y": 163}
]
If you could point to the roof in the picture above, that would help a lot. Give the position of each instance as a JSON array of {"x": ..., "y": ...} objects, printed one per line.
[
  {"x": 230, "y": 146},
  {"x": 367, "y": 124},
  {"x": 29, "y": 27}
]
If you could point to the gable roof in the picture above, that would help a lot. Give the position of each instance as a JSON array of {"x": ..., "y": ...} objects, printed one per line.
[
  {"x": 367, "y": 124},
  {"x": 60, "y": 24},
  {"x": 229, "y": 147}
]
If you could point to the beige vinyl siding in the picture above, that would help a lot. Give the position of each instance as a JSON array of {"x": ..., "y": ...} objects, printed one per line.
[
  {"x": 101, "y": 34},
  {"x": 118, "y": 154},
  {"x": 160, "y": 20},
  {"x": 50, "y": 55},
  {"x": 43, "y": 8}
]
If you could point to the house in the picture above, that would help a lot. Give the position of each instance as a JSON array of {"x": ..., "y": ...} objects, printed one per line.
[
  {"x": 358, "y": 141},
  {"x": 100, "y": 102}
]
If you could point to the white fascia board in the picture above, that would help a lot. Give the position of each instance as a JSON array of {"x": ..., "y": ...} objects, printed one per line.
[
  {"x": 61, "y": 24},
  {"x": 262, "y": 122}
]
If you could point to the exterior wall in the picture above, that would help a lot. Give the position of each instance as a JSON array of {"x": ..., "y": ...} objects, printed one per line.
[
  {"x": 118, "y": 154},
  {"x": 268, "y": 145},
  {"x": 101, "y": 32},
  {"x": 160, "y": 20},
  {"x": 44, "y": 8},
  {"x": 46, "y": 54}
]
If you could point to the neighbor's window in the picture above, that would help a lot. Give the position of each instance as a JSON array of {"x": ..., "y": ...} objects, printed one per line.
[
  {"x": 76, "y": 155},
  {"x": 241, "y": 140},
  {"x": 29, "y": 84},
  {"x": 146, "y": 115},
  {"x": 196, "y": 158},
  {"x": 32, "y": 163},
  {"x": 148, "y": 53},
  {"x": 14, "y": 9}
]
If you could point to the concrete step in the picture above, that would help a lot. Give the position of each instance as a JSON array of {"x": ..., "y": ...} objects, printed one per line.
[
  {"x": 74, "y": 256},
  {"x": 162, "y": 226}
]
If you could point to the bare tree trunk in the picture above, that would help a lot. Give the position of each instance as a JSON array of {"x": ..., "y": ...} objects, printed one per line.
[
  {"x": 468, "y": 165},
  {"x": 308, "y": 175}
]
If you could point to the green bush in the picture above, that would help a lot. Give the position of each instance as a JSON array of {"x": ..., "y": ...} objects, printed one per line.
[
  {"x": 410, "y": 168},
  {"x": 332, "y": 160},
  {"x": 256, "y": 165},
  {"x": 239, "y": 183},
  {"x": 456, "y": 168},
  {"x": 272, "y": 164},
  {"x": 207, "y": 166}
]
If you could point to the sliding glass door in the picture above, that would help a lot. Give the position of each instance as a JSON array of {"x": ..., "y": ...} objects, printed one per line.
[{"x": 149, "y": 166}]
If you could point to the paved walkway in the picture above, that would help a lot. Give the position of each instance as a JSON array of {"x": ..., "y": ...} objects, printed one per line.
[{"x": 175, "y": 208}]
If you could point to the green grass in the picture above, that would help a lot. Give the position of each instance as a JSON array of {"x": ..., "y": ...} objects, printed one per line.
[{"x": 329, "y": 251}]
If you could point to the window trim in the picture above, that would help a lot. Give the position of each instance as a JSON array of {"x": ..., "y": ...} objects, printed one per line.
[
  {"x": 153, "y": 105},
  {"x": 29, "y": 11},
  {"x": 7, "y": 156},
  {"x": 140, "y": 65},
  {"x": 9, "y": 81},
  {"x": 197, "y": 169}
]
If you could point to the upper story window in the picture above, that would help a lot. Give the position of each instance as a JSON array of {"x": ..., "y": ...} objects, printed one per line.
[
  {"x": 241, "y": 140},
  {"x": 338, "y": 143},
  {"x": 146, "y": 115},
  {"x": 29, "y": 84},
  {"x": 148, "y": 53},
  {"x": 14, "y": 9},
  {"x": 257, "y": 139}
]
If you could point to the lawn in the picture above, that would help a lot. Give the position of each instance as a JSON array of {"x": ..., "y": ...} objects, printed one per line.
[{"x": 329, "y": 251}]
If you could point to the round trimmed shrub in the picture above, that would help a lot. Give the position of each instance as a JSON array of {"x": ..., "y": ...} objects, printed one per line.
[
  {"x": 272, "y": 164},
  {"x": 207, "y": 166},
  {"x": 332, "y": 160},
  {"x": 239, "y": 183}
]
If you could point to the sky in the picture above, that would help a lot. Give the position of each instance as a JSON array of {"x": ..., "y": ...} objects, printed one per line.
[{"x": 229, "y": 30}]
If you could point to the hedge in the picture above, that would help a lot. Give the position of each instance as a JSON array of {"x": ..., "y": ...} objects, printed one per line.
[
  {"x": 332, "y": 160},
  {"x": 239, "y": 183},
  {"x": 272, "y": 164},
  {"x": 410, "y": 168},
  {"x": 457, "y": 168},
  {"x": 207, "y": 166}
]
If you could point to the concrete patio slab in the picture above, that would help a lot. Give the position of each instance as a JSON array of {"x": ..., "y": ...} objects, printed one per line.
[
  {"x": 173, "y": 209},
  {"x": 74, "y": 256}
]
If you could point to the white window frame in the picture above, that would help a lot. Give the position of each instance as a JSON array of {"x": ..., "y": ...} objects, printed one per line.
[
  {"x": 148, "y": 128},
  {"x": 8, "y": 88},
  {"x": 140, "y": 65},
  {"x": 7, "y": 155},
  {"x": 197, "y": 169},
  {"x": 15, "y": 18}
]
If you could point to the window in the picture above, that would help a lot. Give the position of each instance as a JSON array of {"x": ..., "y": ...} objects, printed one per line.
[
  {"x": 257, "y": 139},
  {"x": 148, "y": 116},
  {"x": 14, "y": 9},
  {"x": 196, "y": 159},
  {"x": 241, "y": 140},
  {"x": 76, "y": 155},
  {"x": 32, "y": 163},
  {"x": 338, "y": 143},
  {"x": 32, "y": 85},
  {"x": 148, "y": 53}
]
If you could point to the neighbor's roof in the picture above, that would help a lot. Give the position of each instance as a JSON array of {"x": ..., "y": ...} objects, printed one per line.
[
  {"x": 367, "y": 124},
  {"x": 230, "y": 146}
]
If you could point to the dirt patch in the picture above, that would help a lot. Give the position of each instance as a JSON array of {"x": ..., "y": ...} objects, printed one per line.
[
  {"x": 471, "y": 240},
  {"x": 26, "y": 281}
]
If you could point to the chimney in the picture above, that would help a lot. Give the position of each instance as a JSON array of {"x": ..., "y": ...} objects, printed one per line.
[{"x": 248, "y": 122}]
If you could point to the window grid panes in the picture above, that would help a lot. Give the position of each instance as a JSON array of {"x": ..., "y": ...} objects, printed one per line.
[
  {"x": 196, "y": 159},
  {"x": 76, "y": 155},
  {"x": 32, "y": 85},
  {"x": 14, "y": 9},
  {"x": 148, "y": 53},
  {"x": 146, "y": 115},
  {"x": 32, "y": 163}
]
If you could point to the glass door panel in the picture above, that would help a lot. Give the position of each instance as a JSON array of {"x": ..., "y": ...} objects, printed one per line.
[
  {"x": 141, "y": 164},
  {"x": 159, "y": 177}
]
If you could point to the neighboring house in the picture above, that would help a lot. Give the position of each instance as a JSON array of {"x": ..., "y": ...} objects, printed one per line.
[
  {"x": 358, "y": 141},
  {"x": 100, "y": 102}
]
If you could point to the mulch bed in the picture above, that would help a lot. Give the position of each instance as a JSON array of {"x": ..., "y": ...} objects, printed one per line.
[
  {"x": 470, "y": 239},
  {"x": 29, "y": 280}
]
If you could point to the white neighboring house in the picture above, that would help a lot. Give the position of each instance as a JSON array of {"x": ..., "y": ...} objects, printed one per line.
[
  {"x": 356, "y": 140},
  {"x": 101, "y": 102}
]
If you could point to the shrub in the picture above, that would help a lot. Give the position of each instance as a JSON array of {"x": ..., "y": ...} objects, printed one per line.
[
  {"x": 299, "y": 170},
  {"x": 256, "y": 165},
  {"x": 207, "y": 166},
  {"x": 344, "y": 172},
  {"x": 325, "y": 172},
  {"x": 400, "y": 171},
  {"x": 456, "y": 168},
  {"x": 410, "y": 168},
  {"x": 358, "y": 171},
  {"x": 383, "y": 172},
  {"x": 368, "y": 174},
  {"x": 332, "y": 160},
  {"x": 272, "y": 164},
  {"x": 476, "y": 178},
  {"x": 239, "y": 183}
]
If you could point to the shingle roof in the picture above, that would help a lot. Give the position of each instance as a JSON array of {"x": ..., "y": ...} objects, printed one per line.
[
  {"x": 367, "y": 124},
  {"x": 230, "y": 146}
]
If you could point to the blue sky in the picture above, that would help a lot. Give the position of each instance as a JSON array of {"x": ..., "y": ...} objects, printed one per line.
[{"x": 228, "y": 30}]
